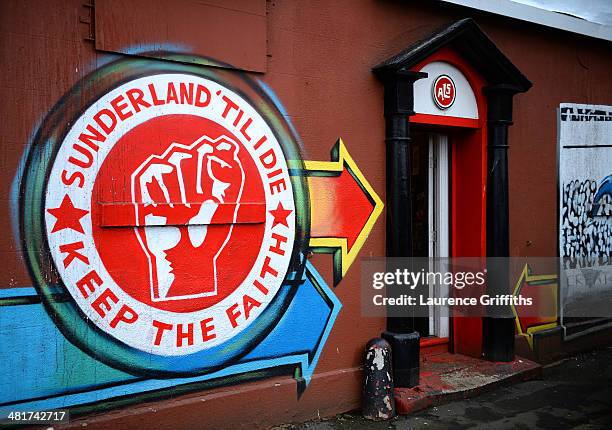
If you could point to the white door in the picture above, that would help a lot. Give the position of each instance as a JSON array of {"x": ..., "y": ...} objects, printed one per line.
[{"x": 438, "y": 196}]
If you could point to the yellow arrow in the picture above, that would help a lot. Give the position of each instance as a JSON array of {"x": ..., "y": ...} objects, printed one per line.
[
  {"x": 344, "y": 208},
  {"x": 549, "y": 282}
]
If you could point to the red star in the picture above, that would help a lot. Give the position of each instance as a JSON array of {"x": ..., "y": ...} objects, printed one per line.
[
  {"x": 280, "y": 215},
  {"x": 67, "y": 216}
]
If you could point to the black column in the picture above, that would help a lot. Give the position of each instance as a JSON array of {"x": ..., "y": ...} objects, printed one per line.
[
  {"x": 399, "y": 105},
  {"x": 498, "y": 325}
]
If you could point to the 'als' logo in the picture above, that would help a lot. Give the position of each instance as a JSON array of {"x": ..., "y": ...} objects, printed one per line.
[
  {"x": 170, "y": 215},
  {"x": 444, "y": 91}
]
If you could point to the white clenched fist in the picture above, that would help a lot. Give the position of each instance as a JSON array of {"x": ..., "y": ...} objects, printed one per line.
[{"x": 187, "y": 200}]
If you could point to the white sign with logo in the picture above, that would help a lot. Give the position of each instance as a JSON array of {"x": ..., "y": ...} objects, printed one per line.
[{"x": 445, "y": 92}]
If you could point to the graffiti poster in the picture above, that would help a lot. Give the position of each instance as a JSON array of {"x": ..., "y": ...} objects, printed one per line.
[{"x": 585, "y": 208}]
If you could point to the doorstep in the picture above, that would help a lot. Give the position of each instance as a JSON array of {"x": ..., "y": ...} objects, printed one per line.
[{"x": 446, "y": 377}]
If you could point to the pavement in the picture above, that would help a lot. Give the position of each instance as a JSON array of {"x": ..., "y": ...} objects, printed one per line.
[{"x": 575, "y": 393}]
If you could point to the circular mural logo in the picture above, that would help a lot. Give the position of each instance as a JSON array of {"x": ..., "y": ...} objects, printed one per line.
[
  {"x": 444, "y": 91},
  {"x": 170, "y": 214}
]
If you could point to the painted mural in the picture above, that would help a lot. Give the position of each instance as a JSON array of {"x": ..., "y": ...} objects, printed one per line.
[
  {"x": 166, "y": 214},
  {"x": 585, "y": 227},
  {"x": 585, "y": 209},
  {"x": 543, "y": 289},
  {"x": 586, "y": 232}
]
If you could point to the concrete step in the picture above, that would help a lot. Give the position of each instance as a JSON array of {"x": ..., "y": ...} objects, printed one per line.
[{"x": 446, "y": 377}]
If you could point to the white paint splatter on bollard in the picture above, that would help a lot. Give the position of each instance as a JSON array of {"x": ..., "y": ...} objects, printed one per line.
[{"x": 378, "y": 402}]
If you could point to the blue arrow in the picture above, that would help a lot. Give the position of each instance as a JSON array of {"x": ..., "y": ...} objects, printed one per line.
[
  {"x": 301, "y": 334},
  {"x": 51, "y": 381}
]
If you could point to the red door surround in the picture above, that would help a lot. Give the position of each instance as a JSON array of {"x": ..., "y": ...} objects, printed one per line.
[{"x": 468, "y": 179}]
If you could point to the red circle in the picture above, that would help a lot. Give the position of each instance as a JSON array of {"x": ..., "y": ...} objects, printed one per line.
[
  {"x": 130, "y": 255},
  {"x": 444, "y": 92}
]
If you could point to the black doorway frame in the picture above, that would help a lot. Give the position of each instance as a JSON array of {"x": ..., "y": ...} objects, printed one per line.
[{"x": 504, "y": 81}]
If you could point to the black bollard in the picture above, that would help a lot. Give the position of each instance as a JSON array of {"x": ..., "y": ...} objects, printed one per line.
[
  {"x": 406, "y": 360},
  {"x": 377, "y": 397}
]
